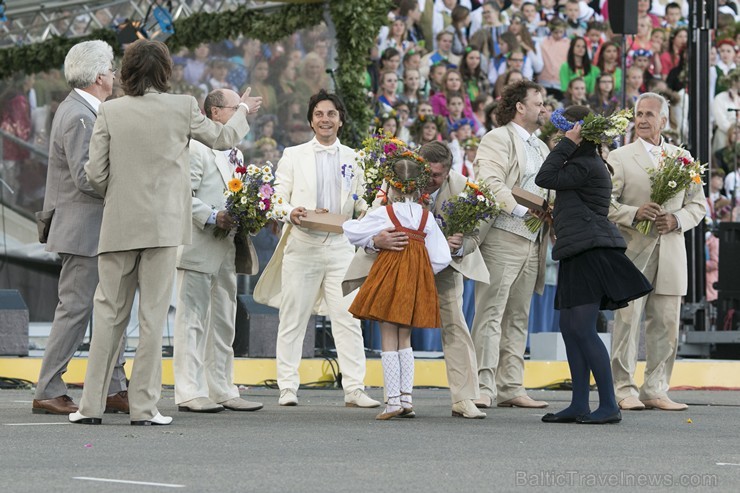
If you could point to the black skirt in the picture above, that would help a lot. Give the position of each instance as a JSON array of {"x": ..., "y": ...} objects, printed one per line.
[{"x": 603, "y": 276}]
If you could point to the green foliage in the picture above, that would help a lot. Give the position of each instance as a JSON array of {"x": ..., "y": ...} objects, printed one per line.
[{"x": 356, "y": 23}]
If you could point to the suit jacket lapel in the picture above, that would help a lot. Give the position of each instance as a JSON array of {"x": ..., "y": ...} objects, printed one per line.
[
  {"x": 642, "y": 158},
  {"x": 521, "y": 152},
  {"x": 442, "y": 196},
  {"x": 73, "y": 95},
  {"x": 223, "y": 165}
]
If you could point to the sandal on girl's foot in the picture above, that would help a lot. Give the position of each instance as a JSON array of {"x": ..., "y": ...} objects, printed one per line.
[
  {"x": 407, "y": 407},
  {"x": 389, "y": 412}
]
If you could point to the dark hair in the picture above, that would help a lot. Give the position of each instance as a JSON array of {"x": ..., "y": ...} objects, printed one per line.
[
  {"x": 586, "y": 62},
  {"x": 215, "y": 98},
  {"x": 437, "y": 152},
  {"x": 387, "y": 54},
  {"x": 577, "y": 113},
  {"x": 322, "y": 95},
  {"x": 673, "y": 5},
  {"x": 145, "y": 64},
  {"x": 406, "y": 6},
  {"x": 513, "y": 94},
  {"x": 604, "y": 46}
]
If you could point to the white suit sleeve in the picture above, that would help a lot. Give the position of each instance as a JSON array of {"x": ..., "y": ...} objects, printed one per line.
[
  {"x": 360, "y": 232},
  {"x": 436, "y": 243}
]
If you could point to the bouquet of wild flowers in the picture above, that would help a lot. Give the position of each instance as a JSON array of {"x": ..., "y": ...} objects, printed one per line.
[
  {"x": 462, "y": 213},
  {"x": 596, "y": 128},
  {"x": 534, "y": 223},
  {"x": 673, "y": 174},
  {"x": 249, "y": 199},
  {"x": 375, "y": 160}
]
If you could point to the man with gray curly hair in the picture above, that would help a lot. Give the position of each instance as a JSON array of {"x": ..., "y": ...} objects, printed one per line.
[{"x": 71, "y": 222}]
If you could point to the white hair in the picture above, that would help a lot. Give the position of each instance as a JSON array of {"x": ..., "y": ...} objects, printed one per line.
[
  {"x": 85, "y": 61},
  {"x": 664, "y": 111}
]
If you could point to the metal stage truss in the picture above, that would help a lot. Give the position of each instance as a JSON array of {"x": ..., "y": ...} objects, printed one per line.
[{"x": 34, "y": 21}]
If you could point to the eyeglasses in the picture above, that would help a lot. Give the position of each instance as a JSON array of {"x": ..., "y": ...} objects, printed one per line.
[
  {"x": 516, "y": 59},
  {"x": 227, "y": 107}
]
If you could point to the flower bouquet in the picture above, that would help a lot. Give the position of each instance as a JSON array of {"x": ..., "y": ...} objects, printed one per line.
[
  {"x": 249, "y": 199},
  {"x": 596, "y": 128},
  {"x": 462, "y": 213},
  {"x": 534, "y": 223},
  {"x": 674, "y": 173}
]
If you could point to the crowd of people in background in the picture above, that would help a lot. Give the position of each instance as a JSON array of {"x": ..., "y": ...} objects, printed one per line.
[{"x": 436, "y": 73}]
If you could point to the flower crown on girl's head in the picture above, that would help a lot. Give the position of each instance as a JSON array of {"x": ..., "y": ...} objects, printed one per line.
[
  {"x": 411, "y": 185},
  {"x": 595, "y": 128},
  {"x": 438, "y": 121},
  {"x": 382, "y": 117}
]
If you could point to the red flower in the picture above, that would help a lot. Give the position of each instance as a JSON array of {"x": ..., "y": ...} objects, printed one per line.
[{"x": 241, "y": 170}]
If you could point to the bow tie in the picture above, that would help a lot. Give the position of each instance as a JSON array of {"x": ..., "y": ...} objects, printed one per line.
[{"x": 317, "y": 147}]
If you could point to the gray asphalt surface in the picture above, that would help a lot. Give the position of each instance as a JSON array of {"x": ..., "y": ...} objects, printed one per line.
[{"x": 322, "y": 446}]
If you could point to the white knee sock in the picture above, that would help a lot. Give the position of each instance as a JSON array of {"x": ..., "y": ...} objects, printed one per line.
[
  {"x": 391, "y": 377},
  {"x": 406, "y": 361}
]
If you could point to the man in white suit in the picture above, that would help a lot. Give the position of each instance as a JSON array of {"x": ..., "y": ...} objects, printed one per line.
[
  {"x": 308, "y": 266},
  {"x": 75, "y": 211},
  {"x": 509, "y": 155},
  {"x": 139, "y": 161},
  {"x": 206, "y": 279},
  {"x": 660, "y": 255}
]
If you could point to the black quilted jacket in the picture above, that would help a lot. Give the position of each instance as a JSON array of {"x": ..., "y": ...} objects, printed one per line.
[{"x": 583, "y": 189}]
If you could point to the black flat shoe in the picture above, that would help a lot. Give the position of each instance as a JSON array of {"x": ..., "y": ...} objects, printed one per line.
[
  {"x": 553, "y": 418},
  {"x": 588, "y": 420}
]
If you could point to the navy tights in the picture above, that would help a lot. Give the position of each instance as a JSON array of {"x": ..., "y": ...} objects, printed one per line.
[{"x": 586, "y": 353}]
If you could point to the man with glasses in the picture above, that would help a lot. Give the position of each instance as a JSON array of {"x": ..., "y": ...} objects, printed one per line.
[
  {"x": 308, "y": 266},
  {"x": 75, "y": 211},
  {"x": 203, "y": 361}
]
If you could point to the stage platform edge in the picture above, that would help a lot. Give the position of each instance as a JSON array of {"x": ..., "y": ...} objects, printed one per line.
[{"x": 687, "y": 373}]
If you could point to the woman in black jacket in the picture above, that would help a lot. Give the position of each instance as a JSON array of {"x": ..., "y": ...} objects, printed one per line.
[{"x": 594, "y": 272}]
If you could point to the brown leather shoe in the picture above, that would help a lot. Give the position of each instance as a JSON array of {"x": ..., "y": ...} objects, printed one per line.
[
  {"x": 631, "y": 403},
  {"x": 523, "y": 401},
  {"x": 58, "y": 405},
  {"x": 664, "y": 404},
  {"x": 117, "y": 403}
]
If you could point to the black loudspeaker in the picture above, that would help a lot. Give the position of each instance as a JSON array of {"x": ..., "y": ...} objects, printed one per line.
[
  {"x": 623, "y": 16},
  {"x": 256, "y": 330},
  {"x": 729, "y": 255},
  {"x": 13, "y": 324}
]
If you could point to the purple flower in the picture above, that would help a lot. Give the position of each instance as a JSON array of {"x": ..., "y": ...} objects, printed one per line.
[{"x": 266, "y": 190}]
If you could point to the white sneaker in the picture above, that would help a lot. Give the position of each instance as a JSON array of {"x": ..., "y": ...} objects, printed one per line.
[
  {"x": 466, "y": 409},
  {"x": 288, "y": 397},
  {"x": 157, "y": 420},
  {"x": 358, "y": 398}
]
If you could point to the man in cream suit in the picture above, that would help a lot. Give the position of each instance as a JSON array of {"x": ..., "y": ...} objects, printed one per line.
[
  {"x": 139, "y": 161},
  {"x": 660, "y": 255},
  {"x": 509, "y": 155},
  {"x": 308, "y": 266},
  {"x": 203, "y": 361},
  {"x": 460, "y": 362},
  {"x": 76, "y": 211}
]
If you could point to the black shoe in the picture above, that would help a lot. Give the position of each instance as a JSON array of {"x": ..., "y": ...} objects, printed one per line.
[
  {"x": 588, "y": 420},
  {"x": 554, "y": 418}
]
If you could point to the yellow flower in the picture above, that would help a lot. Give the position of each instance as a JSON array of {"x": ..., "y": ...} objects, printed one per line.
[
  {"x": 697, "y": 179},
  {"x": 472, "y": 185},
  {"x": 235, "y": 184}
]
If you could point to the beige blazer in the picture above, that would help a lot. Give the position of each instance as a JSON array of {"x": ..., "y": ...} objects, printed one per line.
[
  {"x": 295, "y": 184},
  {"x": 209, "y": 174},
  {"x": 631, "y": 189},
  {"x": 497, "y": 164},
  {"x": 140, "y": 163},
  {"x": 470, "y": 265}
]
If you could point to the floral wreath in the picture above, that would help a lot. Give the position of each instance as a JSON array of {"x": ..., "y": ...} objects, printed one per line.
[
  {"x": 382, "y": 117},
  {"x": 471, "y": 143},
  {"x": 265, "y": 141},
  {"x": 455, "y": 126},
  {"x": 438, "y": 120},
  {"x": 396, "y": 153},
  {"x": 642, "y": 52}
]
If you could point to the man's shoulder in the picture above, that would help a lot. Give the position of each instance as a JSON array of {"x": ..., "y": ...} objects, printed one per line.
[
  {"x": 625, "y": 150},
  {"x": 457, "y": 181}
]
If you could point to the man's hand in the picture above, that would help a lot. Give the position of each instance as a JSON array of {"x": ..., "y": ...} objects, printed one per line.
[
  {"x": 648, "y": 212},
  {"x": 224, "y": 220},
  {"x": 254, "y": 102},
  {"x": 455, "y": 242},
  {"x": 296, "y": 215},
  {"x": 666, "y": 222},
  {"x": 389, "y": 239}
]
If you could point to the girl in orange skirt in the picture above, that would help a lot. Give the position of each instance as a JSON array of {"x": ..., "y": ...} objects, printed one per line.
[{"x": 399, "y": 291}]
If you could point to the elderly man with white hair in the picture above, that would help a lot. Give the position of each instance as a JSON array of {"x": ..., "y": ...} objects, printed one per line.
[
  {"x": 72, "y": 213},
  {"x": 660, "y": 255}
]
